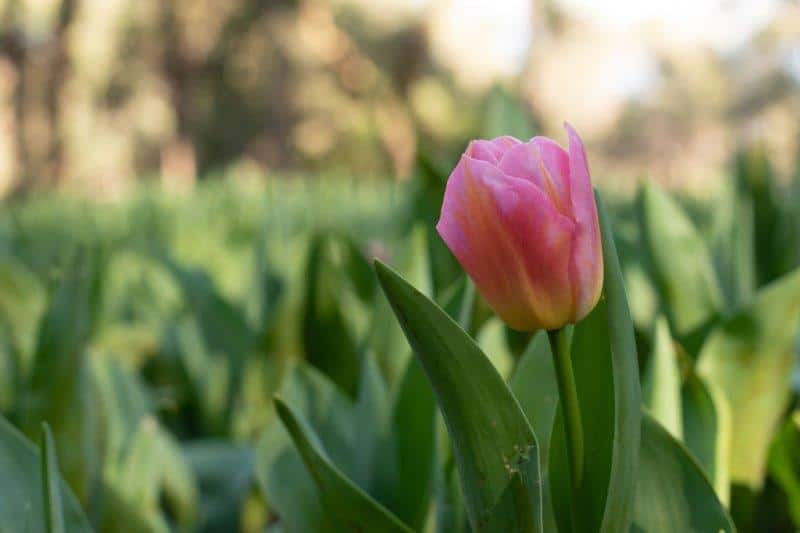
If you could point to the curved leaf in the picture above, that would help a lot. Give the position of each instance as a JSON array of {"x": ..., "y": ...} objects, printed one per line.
[
  {"x": 680, "y": 261},
  {"x": 661, "y": 389},
  {"x": 535, "y": 387},
  {"x": 749, "y": 357},
  {"x": 607, "y": 379},
  {"x": 414, "y": 431},
  {"x": 353, "y": 509},
  {"x": 707, "y": 431},
  {"x": 672, "y": 494},
  {"x": 21, "y": 502},
  {"x": 53, "y": 506},
  {"x": 494, "y": 446}
]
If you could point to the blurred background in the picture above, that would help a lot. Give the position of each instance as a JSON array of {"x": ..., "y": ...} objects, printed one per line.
[
  {"x": 193, "y": 192},
  {"x": 99, "y": 95}
]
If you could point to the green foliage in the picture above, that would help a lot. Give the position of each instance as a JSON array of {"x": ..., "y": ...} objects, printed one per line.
[
  {"x": 32, "y": 489},
  {"x": 494, "y": 447},
  {"x": 607, "y": 379},
  {"x": 152, "y": 337},
  {"x": 749, "y": 356},
  {"x": 685, "y": 281},
  {"x": 672, "y": 494}
]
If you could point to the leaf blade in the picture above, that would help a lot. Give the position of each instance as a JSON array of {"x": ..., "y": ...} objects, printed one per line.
[{"x": 491, "y": 437}]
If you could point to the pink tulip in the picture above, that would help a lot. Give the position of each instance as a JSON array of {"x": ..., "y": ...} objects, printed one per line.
[{"x": 522, "y": 221}]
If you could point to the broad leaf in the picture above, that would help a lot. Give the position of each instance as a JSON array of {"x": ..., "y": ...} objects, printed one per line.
[
  {"x": 784, "y": 463},
  {"x": 749, "y": 357},
  {"x": 661, "y": 390},
  {"x": 672, "y": 494},
  {"x": 288, "y": 487},
  {"x": 535, "y": 387},
  {"x": 21, "y": 488},
  {"x": 707, "y": 431},
  {"x": 331, "y": 308},
  {"x": 60, "y": 390},
  {"x": 494, "y": 446},
  {"x": 680, "y": 261},
  {"x": 351, "y": 507},
  {"x": 414, "y": 432}
]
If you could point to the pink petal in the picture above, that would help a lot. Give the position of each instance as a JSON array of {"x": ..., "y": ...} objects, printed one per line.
[
  {"x": 586, "y": 266},
  {"x": 512, "y": 242},
  {"x": 491, "y": 151},
  {"x": 546, "y": 164}
]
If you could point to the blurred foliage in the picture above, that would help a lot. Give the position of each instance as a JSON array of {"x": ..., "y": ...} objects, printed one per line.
[{"x": 152, "y": 336}]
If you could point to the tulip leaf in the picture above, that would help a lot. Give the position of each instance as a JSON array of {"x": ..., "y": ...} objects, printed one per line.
[
  {"x": 775, "y": 243},
  {"x": 414, "y": 430},
  {"x": 283, "y": 478},
  {"x": 672, "y": 494},
  {"x": 329, "y": 329},
  {"x": 707, "y": 431},
  {"x": 661, "y": 389},
  {"x": 607, "y": 379},
  {"x": 784, "y": 463},
  {"x": 494, "y": 446},
  {"x": 59, "y": 389},
  {"x": 22, "y": 507},
  {"x": 51, "y": 481},
  {"x": 680, "y": 261},
  {"x": 535, "y": 387},
  {"x": 351, "y": 507},
  {"x": 733, "y": 246},
  {"x": 749, "y": 356}
]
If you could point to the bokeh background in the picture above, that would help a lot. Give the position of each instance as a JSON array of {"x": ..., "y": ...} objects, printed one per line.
[
  {"x": 193, "y": 192},
  {"x": 99, "y": 95}
]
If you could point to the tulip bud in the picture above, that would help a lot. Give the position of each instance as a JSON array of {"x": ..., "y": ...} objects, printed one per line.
[{"x": 522, "y": 221}]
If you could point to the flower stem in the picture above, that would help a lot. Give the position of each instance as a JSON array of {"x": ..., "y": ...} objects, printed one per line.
[{"x": 561, "y": 346}]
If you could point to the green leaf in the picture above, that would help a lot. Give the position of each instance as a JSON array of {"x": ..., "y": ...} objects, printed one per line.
[
  {"x": 51, "y": 482},
  {"x": 386, "y": 337},
  {"x": 733, "y": 245},
  {"x": 289, "y": 489},
  {"x": 607, "y": 379},
  {"x": 372, "y": 415},
  {"x": 661, "y": 390},
  {"x": 352, "y": 508},
  {"x": 707, "y": 431},
  {"x": 225, "y": 473},
  {"x": 749, "y": 356},
  {"x": 775, "y": 249},
  {"x": 784, "y": 463},
  {"x": 21, "y": 489},
  {"x": 224, "y": 329},
  {"x": 680, "y": 262},
  {"x": 60, "y": 390},
  {"x": 672, "y": 494},
  {"x": 494, "y": 446},
  {"x": 414, "y": 431},
  {"x": 535, "y": 387},
  {"x": 330, "y": 338}
]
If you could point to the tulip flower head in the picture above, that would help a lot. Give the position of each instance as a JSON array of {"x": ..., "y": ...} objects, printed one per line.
[{"x": 521, "y": 219}]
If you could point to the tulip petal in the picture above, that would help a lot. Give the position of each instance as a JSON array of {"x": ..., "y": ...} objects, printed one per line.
[
  {"x": 586, "y": 267},
  {"x": 491, "y": 151},
  {"x": 511, "y": 240},
  {"x": 546, "y": 164}
]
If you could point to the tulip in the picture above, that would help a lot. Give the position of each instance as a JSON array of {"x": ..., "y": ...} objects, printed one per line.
[{"x": 521, "y": 219}]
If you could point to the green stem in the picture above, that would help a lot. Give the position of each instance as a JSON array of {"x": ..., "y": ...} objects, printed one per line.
[{"x": 561, "y": 346}]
